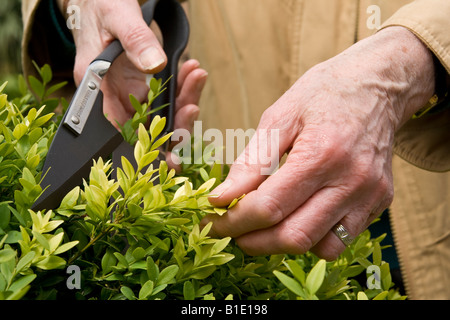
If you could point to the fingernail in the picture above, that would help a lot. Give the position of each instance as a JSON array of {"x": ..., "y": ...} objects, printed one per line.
[
  {"x": 192, "y": 118},
  {"x": 151, "y": 58},
  {"x": 202, "y": 81},
  {"x": 221, "y": 189}
]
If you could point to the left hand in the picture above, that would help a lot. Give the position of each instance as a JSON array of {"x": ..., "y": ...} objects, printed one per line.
[{"x": 337, "y": 124}]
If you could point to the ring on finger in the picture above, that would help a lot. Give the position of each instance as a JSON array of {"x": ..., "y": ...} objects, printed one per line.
[{"x": 342, "y": 233}]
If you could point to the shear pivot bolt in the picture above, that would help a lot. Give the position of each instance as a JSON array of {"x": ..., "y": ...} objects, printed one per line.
[
  {"x": 92, "y": 85},
  {"x": 75, "y": 120}
]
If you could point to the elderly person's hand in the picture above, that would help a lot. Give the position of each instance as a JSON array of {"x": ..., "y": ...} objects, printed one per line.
[
  {"x": 337, "y": 124},
  {"x": 106, "y": 20}
]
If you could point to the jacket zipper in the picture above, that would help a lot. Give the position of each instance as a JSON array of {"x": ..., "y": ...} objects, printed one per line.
[{"x": 398, "y": 252}]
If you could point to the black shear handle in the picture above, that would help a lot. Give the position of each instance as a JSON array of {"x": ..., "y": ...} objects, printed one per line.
[{"x": 174, "y": 26}]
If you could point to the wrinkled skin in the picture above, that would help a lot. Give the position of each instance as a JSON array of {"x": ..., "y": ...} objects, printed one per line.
[{"x": 337, "y": 124}]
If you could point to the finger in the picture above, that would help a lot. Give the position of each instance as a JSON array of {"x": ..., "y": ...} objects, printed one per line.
[
  {"x": 274, "y": 200},
  {"x": 121, "y": 80},
  {"x": 191, "y": 88},
  {"x": 186, "y": 68},
  {"x": 307, "y": 227},
  {"x": 330, "y": 246},
  {"x": 82, "y": 60},
  {"x": 274, "y": 136},
  {"x": 185, "y": 117},
  {"x": 139, "y": 42}
]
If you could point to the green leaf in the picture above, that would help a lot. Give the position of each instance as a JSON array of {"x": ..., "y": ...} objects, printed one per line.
[
  {"x": 167, "y": 275},
  {"x": 127, "y": 167},
  {"x": 7, "y": 254},
  {"x": 143, "y": 137},
  {"x": 19, "y": 286},
  {"x": 51, "y": 262},
  {"x": 155, "y": 85},
  {"x": 20, "y": 130},
  {"x": 205, "y": 187},
  {"x": 315, "y": 277},
  {"x": 161, "y": 141},
  {"x": 157, "y": 126},
  {"x": 66, "y": 246},
  {"x": 121, "y": 259},
  {"x": 13, "y": 236},
  {"x": 146, "y": 290},
  {"x": 37, "y": 86},
  {"x": 290, "y": 283},
  {"x": 128, "y": 293},
  {"x": 381, "y": 295},
  {"x": 52, "y": 225},
  {"x": 152, "y": 269},
  {"x": 25, "y": 261},
  {"x": 297, "y": 271},
  {"x": 55, "y": 241},
  {"x": 135, "y": 103},
  {"x": 108, "y": 261},
  {"x": 56, "y": 87},
  {"x": 42, "y": 120},
  {"x": 70, "y": 200},
  {"x": 41, "y": 239},
  {"x": 139, "y": 151},
  {"x": 163, "y": 167},
  {"x": 386, "y": 278},
  {"x": 362, "y": 296},
  {"x": 352, "y": 271},
  {"x": 5, "y": 216},
  {"x": 220, "y": 245},
  {"x": 158, "y": 289},
  {"x": 23, "y": 87},
  {"x": 148, "y": 158},
  {"x": 376, "y": 255},
  {"x": 46, "y": 74},
  {"x": 204, "y": 174},
  {"x": 22, "y": 282},
  {"x": 202, "y": 272},
  {"x": 188, "y": 291},
  {"x": 139, "y": 253}
]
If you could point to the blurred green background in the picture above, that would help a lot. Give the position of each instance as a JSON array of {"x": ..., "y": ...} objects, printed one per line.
[{"x": 11, "y": 29}]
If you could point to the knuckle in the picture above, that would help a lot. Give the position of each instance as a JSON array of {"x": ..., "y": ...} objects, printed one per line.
[
  {"x": 269, "y": 211},
  {"x": 329, "y": 249},
  {"x": 295, "y": 241},
  {"x": 134, "y": 35}
]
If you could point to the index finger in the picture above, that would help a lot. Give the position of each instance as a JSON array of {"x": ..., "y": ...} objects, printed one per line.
[{"x": 277, "y": 196}]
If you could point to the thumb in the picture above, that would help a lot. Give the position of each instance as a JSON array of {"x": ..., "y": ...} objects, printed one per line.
[
  {"x": 138, "y": 40},
  {"x": 259, "y": 160}
]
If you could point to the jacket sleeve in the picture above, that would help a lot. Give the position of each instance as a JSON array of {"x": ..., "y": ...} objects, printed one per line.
[{"x": 424, "y": 141}]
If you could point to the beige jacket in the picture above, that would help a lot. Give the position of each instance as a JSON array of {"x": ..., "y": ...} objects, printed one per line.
[{"x": 255, "y": 49}]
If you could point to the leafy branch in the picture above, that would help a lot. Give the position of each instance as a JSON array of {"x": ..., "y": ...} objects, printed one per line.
[{"x": 136, "y": 234}]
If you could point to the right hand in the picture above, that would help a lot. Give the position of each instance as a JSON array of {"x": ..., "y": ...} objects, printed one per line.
[{"x": 102, "y": 22}]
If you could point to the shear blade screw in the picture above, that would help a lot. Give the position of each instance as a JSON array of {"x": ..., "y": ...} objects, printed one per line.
[
  {"x": 75, "y": 120},
  {"x": 92, "y": 85}
]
